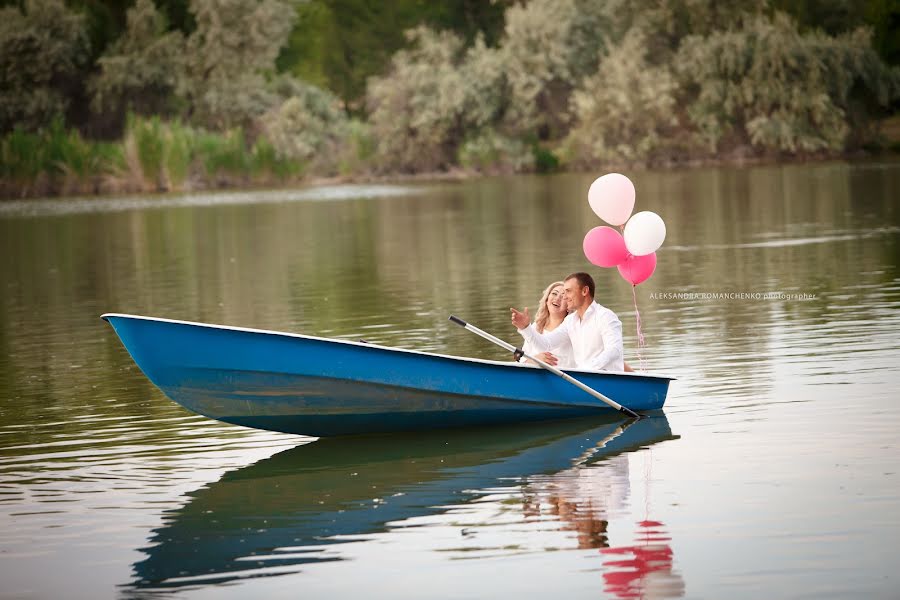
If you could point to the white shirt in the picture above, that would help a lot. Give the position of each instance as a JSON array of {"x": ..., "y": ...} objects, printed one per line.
[{"x": 596, "y": 339}]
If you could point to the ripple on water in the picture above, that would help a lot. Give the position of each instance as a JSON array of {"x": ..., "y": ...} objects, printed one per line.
[{"x": 68, "y": 206}]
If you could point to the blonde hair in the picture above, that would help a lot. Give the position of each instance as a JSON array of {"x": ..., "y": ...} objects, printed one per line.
[{"x": 543, "y": 313}]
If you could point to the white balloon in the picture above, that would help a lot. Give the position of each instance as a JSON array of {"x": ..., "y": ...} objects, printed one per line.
[
  {"x": 612, "y": 198},
  {"x": 644, "y": 233}
]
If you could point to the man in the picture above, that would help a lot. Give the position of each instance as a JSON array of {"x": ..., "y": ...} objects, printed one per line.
[{"x": 595, "y": 331}]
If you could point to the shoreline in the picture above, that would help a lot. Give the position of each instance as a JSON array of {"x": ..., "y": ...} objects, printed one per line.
[{"x": 103, "y": 189}]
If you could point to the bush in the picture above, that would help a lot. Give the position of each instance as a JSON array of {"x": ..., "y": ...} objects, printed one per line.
[
  {"x": 490, "y": 152},
  {"x": 545, "y": 161},
  {"x": 307, "y": 127},
  {"x": 356, "y": 149}
]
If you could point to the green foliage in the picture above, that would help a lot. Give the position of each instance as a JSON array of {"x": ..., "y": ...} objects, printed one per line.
[
  {"x": 224, "y": 154},
  {"x": 229, "y": 57},
  {"x": 626, "y": 111},
  {"x": 357, "y": 148},
  {"x": 22, "y": 157},
  {"x": 339, "y": 44},
  {"x": 179, "y": 142},
  {"x": 412, "y": 86},
  {"x": 490, "y": 152},
  {"x": 53, "y": 160},
  {"x": 835, "y": 17},
  {"x": 41, "y": 52},
  {"x": 778, "y": 89},
  {"x": 307, "y": 127},
  {"x": 545, "y": 161},
  {"x": 548, "y": 47},
  {"x": 265, "y": 163},
  {"x": 141, "y": 69},
  {"x": 417, "y": 110}
]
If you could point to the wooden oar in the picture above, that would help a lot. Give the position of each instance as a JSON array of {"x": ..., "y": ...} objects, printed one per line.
[{"x": 551, "y": 368}]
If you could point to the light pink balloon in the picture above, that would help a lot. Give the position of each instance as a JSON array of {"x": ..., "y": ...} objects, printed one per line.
[
  {"x": 637, "y": 269},
  {"x": 605, "y": 247},
  {"x": 612, "y": 198}
]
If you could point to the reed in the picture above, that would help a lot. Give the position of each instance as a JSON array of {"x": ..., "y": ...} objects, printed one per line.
[
  {"x": 267, "y": 166},
  {"x": 154, "y": 155},
  {"x": 223, "y": 156},
  {"x": 178, "y": 154}
]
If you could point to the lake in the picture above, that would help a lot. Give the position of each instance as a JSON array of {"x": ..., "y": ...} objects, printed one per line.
[{"x": 774, "y": 472}]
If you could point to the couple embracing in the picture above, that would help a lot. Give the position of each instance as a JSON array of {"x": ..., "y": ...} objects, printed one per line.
[{"x": 589, "y": 337}]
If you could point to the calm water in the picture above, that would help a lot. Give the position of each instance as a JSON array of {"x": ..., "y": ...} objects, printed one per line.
[{"x": 775, "y": 471}]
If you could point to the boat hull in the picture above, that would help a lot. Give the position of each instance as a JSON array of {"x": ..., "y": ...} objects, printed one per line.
[{"x": 320, "y": 387}]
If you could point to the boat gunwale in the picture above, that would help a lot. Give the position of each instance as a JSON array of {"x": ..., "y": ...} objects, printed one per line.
[{"x": 106, "y": 316}]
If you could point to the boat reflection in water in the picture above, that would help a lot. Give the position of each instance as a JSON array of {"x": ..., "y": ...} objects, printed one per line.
[{"x": 293, "y": 508}]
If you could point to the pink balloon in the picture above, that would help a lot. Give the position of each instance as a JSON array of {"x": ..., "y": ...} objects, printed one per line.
[
  {"x": 637, "y": 269},
  {"x": 612, "y": 198},
  {"x": 605, "y": 247}
]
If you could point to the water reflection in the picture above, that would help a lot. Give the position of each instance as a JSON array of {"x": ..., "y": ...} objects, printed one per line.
[
  {"x": 644, "y": 569},
  {"x": 585, "y": 498},
  {"x": 297, "y": 507}
]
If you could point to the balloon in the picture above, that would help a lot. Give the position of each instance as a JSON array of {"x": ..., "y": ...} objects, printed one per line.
[
  {"x": 612, "y": 198},
  {"x": 604, "y": 247},
  {"x": 644, "y": 233},
  {"x": 637, "y": 269}
]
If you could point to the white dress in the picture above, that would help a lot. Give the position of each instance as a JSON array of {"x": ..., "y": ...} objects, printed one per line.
[{"x": 563, "y": 352}]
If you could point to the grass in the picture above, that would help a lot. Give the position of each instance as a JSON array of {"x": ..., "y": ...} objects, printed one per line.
[{"x": 154, "y": 155}]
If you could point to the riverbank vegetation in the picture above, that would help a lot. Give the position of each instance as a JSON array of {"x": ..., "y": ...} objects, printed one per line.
[{"x": 188, "y": 94}]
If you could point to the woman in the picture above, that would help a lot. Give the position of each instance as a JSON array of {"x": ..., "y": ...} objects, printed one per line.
[{"x": 552, "y": 310}]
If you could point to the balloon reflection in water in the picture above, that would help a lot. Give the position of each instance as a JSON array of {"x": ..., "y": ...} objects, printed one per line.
[
  {"x": 644, "y": 570},
  {"x": 585, "y": 497}
]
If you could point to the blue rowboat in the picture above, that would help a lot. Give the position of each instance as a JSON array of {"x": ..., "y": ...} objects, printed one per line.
[{"x": 320, "y": 387}]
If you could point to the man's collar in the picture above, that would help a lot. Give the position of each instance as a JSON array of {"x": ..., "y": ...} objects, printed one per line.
[{"x": 587, "y": 311}]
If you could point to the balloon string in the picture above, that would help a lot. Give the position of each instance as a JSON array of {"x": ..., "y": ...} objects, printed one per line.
[{"x": 640, "y": 335}]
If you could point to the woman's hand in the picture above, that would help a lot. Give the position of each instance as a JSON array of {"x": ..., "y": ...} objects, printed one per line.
[
  {"x": 520, "y": 320},
  {"x": 548, "y": 358}
]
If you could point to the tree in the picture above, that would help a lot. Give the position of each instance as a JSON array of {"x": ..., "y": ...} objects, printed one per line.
[
  {"x": 142, "y": 69},
  {"x": 627, "y": 110},
  {"x": 416, "y": 110},
  {"x": 549, "y": 46},
  {"x": 769, "y": 85},
  {"x": 42, "y": 51},
  {"x": 339, "y": 44},
  {"x": 230, "y": 56}
]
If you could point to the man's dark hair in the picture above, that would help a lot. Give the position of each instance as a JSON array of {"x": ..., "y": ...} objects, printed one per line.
[{"x": 583, "y": 280}]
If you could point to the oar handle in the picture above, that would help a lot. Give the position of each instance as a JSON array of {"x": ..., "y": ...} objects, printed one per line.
[{"x": 551, "y": 368}]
